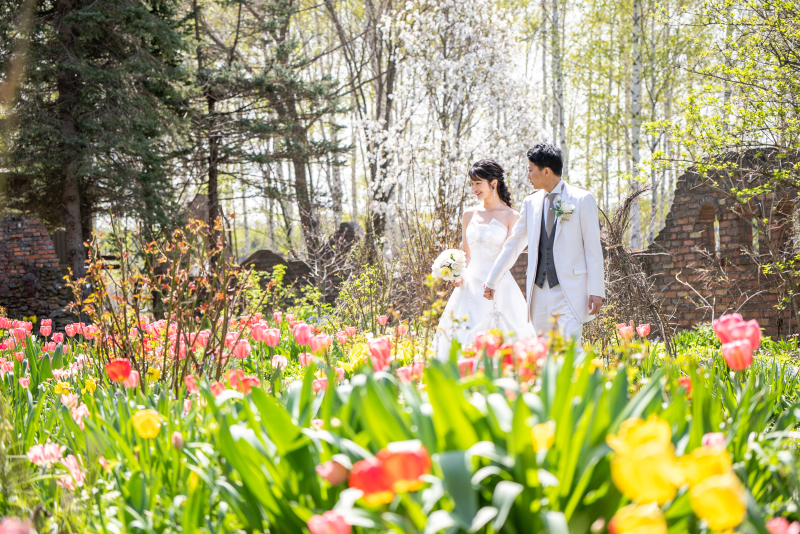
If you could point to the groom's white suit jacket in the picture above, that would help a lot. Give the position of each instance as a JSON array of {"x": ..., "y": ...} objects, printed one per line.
[{"x": 577, "y": 252}]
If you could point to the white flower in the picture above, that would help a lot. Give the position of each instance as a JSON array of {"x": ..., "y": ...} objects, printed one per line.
[{"x": 568, "y": 208}]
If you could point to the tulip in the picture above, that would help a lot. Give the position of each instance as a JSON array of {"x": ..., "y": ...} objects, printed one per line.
[
  {"x": 279, "y": 362},
  {"x": 11, "y": 525},
  {"x": 723, "y": 325},
  {"x": 305, "y": 359},
  {"x": 78, "y": 413},
  {"x": 132, "y": 380},
  {"x": 187, "y": 405},
  {"x": 714, "y": 439},
  {"x": 705, "y": 462},
  {"x": 404, "y": 374},
  {"x": 20, "y": 333},
  {"x": 383, "y": 319},
  {"x": 331, "y": 522},
  {"x": 781, "y": 525},
  {"x": 638, "y": 519},
  {"x": 720, "y": 501},
  {"x": 147, "y": 423},
  {"x": 272, "y": 337},
  {"x": 277, "y": 317},
  {"x": 320, "y": 384},
  {"x": 191, "y": 383},
  {"x": 404, "y": 464},
  {"x": 738, "y": 354},
  {"x": 177, "y": 440},
  {"x": 242, "y": 349},
  {"x": 332, "y": 471},
  {"x": 402, "y": 329},
  {"x": 230, "y": 339},
  {"x": 302, "y": 333},
  {"x": 380, "y": 350},
  {"x": 257, "y": 331},
  {"x": 70, "y": 328},
  {"x": 350, "y": 331},
  {"x": 748, "y": 330},
  {"x": 466, "y": 366},
  {"x": 58, "y": 337},
  {"x": 5, "y": 323},
  {"x": 369, "y": 476},
  {"x": 320, "y": 343},
  {"x": 543, "y": 435},
  {"x": 625, "y": 331},
  {"x": 686, "y": 383},
  {"x": 118, "y": 370},
  {"x": 217, "y": 388},
  {"x": 24, "y": 381},
  {"x": 246, "y": 383},
  {"x": 643, "y": 330},
  {"x": 341, "y": 338},
  {"x": 290, "y": 319},
  {"x": 46, "y": 455},
  {"x": 45, "y": 330},
  {"x": 339, "y": 373},
  {"x": 19, "y": 356}
]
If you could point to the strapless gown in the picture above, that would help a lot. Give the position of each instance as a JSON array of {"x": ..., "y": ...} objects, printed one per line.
[{"x": 467, "y": 312}]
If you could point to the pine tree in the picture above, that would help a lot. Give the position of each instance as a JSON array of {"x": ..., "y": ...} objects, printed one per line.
[{"x": 97, "y": 116}]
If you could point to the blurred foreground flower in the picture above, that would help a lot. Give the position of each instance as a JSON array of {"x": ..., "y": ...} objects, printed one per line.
[
  {"x": 719, "y": 501},
  {"x": 638, "y": 519},
  {"x": 781, "y": 525},
  {"x": 544, "y": 435},
  {"x": 332, "y": 471},
  {"x": 147, "y": 423},
  {"x": 331, "y": 522}
]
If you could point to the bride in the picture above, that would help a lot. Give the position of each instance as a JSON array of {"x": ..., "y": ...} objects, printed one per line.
[{"x": 484, "y": 229}]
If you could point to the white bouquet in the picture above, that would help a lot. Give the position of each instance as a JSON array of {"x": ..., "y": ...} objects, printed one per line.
[{"x": 449, "y": 265}]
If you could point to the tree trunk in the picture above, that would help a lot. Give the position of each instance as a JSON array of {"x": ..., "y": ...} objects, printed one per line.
[
  {"x": 559, "y": 126},
  {"x": 68, "y": 84},
  {"x": 636, "y": 118},
  {"x": 246, "y": 248},
  {"x": 545, "y": 99}
]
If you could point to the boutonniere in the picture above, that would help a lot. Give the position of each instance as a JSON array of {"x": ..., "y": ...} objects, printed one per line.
[{"x": 563, "y": 209}]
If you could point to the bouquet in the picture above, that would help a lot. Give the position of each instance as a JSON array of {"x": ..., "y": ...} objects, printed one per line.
[{"x": 449, "y": 265}]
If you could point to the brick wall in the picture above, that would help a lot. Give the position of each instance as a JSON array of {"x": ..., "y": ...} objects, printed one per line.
[
  {"x": 31, "y": 282},
  {"x": 519, "y": 269}
]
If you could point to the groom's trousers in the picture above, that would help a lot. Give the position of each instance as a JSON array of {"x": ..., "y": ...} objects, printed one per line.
[{"x": 549, "y": 309}]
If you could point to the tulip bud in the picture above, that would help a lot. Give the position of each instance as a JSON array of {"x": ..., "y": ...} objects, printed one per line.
[{"x": 177, "y": 441}]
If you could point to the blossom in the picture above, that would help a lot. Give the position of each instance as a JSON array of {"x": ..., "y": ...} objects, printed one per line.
[
  {"x": 466, "y": 366},
  {"x": 19, "y": 356},
  {"x": 46, "y": 455},
  {"x": 404, "y": 374},
  {"x": 45, "y": 330},
  {"x": 369, "y": 476},
  {"x": 705, "y": 462},
  {"x": 20, "y": 333},
  {"x": 279, "y": 362},
  {"x": 339, "y": 373},
  {"x": 132, "y": 381},
  {"x": 720, "y": 501},
  {"x": 217, "y": 388},
  {"x": 78, "y": 413},
  {"x": 404, "y": 464},
  {"x": 738, "y": 354},
  {"x": 191, "y": 383},
  {"x": 153, "y": 374},
  {"x": 272, "y": 337},
  {"x": 24, "y": 381},
  {"x": 177, "y": 440},
  {"x": 638, "y": 519},
  {"x": 643, "y": 330},
  {"x": 624, "y": 331},
  {"x": 490, "y": 342},
  {"x": 383, "y": 319},
  {"x": 302, "y": 333},
  {"x": 330, "y": 522},
  {"x": 257, "y": 331},
  {"x": 242, "y": 349},
  {"x": 147, "y": 423},
  {"x": 242, "y": 382},
  {"x": 70, "y": 329},
  {"x": 320, "y": 343},
  {"x": 277, "y": 317},
  {"x": 69, "y": 400},
  {"x": 341, "y": 337},
  {"x": 320, "y": 384},
  {"x": 714, "y": 439},
  {"x": 781, "y": 525},
  {"x": 11, "y": 525},
  {"x": 332, "y": 471},
  {"x": 350, "y": 331},
  {"x": 91, "y": 384},
  {"x": 305, "y": 359},
  {"x": 74, "y": 468},
  {"x": 543, "y": 435},
  {"x": 723, "y": 325},
  {"x": 104, "y": 463},
  {"x": 686, "y": 383},
  {"x": 58, "y": 337},
  {"x": 118, "y": 370},
  {"x": 380, "y": 350}
]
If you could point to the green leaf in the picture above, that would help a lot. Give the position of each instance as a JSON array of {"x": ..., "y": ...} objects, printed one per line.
[
  {"x": 505, "y": 493},
  {"x": 457, "y": 478}
]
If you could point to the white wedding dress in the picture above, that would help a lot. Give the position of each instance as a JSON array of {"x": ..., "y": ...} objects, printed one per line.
[{"x": 468, "y": 312}]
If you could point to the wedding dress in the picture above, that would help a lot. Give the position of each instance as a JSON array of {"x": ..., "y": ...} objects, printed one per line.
[{"x": 468, "y": 312}]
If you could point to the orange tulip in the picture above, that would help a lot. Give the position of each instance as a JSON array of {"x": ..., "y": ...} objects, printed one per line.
[
  {"x": 118, "y": 370},
  {"x": 370, "y": 477},
  {"x": 404, "y": 464}
]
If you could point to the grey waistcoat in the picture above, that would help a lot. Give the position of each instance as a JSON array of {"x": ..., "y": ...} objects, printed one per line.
[{"x": 545, "y": 266}]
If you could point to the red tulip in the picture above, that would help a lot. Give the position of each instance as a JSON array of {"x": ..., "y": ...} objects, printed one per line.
[
  {"x": 738, "y": 354},
  {"x": 350, "y": 331},
  {"x": 302, "y": 333},
  {"x": 369, "y": 476},
  {"x": 320, "y": 343},
  {"x": 247, "y": 383},
  {"x": 380, "y": 350},
  {"x": 19, "y": 356},
  {"x": 643, "y": 330},
  {"x": 332, "y": 471},
  {"x": 118, "y": 370},
  {"x": 723, "y": 325},
  {"x": 404, "y": 464},
  {"x": 748, "y": 330},
  {"x": 686, "y": 383},
  {"x": 383, "y": 319},
  {"x": 272, "y": 337},
  {"x": 242, "y": 349},
  {"x": 625, "y": 331},
  {"x": 70, "y": 328},
  {"x": 331, "y": 522},
  {"x": 466, "y": 366}
]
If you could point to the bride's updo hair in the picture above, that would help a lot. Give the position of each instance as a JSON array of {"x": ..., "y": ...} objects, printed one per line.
[{"x": 490, "y": 170}]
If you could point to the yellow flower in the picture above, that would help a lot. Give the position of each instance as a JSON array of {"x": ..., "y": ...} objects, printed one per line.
[
  {"x": 544, "y": 435},
  {"x": 147, "y": 423},
  {"x": 705, "y": 462},
  {"x": 720, "y": 501},
  {"x": 641, "y": 519},
  {"x": 90, "y": 385},
  {"x": 153, "y": 374},
  {"x": 645, "y": 468},
  {"x": 446, "y": 271},
  {"x": 61, "y": 388}
]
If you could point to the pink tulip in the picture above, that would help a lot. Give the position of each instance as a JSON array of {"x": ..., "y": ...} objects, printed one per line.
[
  {"x": 191, "y": 383},
  {"x": 332, "y": 471},
  {"x": 404, "y": 374},
  {"x": 320, "y": 384},
  {"x": 20, "y": 333},
  {"x": 24, "y": 381},
  {"x": 290, "y": 320},
  {"x": 466, "y": 366},
  {"x": 46, "y": 455},
  {"x": 45, "y": 330},
  {"x": 302, "y": 333},
  {"x": 272, "y": 337},
  {"x": 305, "y": 359},
  {"x": 331, "y": 522},
  {"x": 380, "y": 350},
  {"x": 242, "y": 349},
  {"x": 50, "y": 346},
  {"x": 257, "y": 331},
  {"x": 279, "y": 362},
  {"x": 47, "y": 322},
  {"x": 339, "y": 373},
  {"x": 217, "y": 388},
  {"x": 383, "y": 319},
  {"x": 132, "y": 381},
  {"x": 230, "y": 339},
  {"x": 79, "y": 413},
  {"x": 713, "y": 439},
  {"x": 11, "y": 525},
  {"x": 748, "y": 330},
  {"x": 350, "y": 331},
  {"x": 643, "y": 330},
  {"x": 320, "y": 343},
  {"x": 738, "y": 354},
  {"x": 341, "y": 337},
  {"x": 19, "y": 356},
  {"x": 70, "y": 400},
  {"x": 5, "y": 323},
  {"x": 58, "y": 337},
  {"x": 402, "y": 329},
  {"x": 625, "y": 331},
  {"x": 177, "y": 440},
  {"x": 723, "y": 325},
  {"x": 781, "y": 525},
  {"x": 277, "y": 317},
  {"x": 70, "y": 328}
]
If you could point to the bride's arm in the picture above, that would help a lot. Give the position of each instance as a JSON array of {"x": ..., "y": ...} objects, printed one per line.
[
  {"x": 512, "y": 248},
  {"x": 464, "y": 245},
  {"x": 511, "y": 222}
]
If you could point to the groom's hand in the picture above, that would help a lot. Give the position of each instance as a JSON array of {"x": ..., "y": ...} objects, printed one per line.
[
  {"x": 595, "y": 303},
  {"x": 488, "y": 293}
]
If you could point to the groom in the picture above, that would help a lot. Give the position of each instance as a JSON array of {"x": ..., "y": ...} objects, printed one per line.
[{"x": 560, "y": 226}]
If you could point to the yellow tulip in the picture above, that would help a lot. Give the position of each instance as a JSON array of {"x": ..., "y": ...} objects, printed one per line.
[
  {"x": 147, "y": 423},
  {"x": 720, "y": 501},
  {"x": 634, "y": 432},
  {"x": 638, "y": 519},
  {"x": 544, "y": 435},
  {"x": 705, "y": 462}
]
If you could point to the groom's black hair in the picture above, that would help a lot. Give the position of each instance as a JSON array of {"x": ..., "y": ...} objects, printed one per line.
[{"x": 547, "y": 155}]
